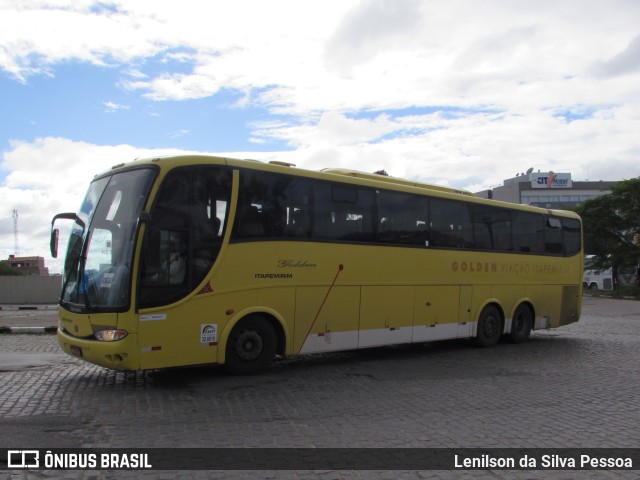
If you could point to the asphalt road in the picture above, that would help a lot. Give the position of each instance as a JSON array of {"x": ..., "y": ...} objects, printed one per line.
[{"x": 574, "y": 387}]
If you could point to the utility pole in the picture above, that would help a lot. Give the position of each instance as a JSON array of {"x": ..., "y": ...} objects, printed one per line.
[{"x": 15, "y": 231}]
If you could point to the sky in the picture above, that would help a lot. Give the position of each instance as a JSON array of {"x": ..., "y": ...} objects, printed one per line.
[{"x": 453, "y": 92}]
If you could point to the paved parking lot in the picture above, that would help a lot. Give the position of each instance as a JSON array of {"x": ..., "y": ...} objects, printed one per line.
[{"x": 575, "y": 387}]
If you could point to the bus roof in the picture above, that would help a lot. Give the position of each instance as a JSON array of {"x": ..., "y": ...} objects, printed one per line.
[
  {"x": 395, "y": 180},
  {"x": 334, "y": 171}
]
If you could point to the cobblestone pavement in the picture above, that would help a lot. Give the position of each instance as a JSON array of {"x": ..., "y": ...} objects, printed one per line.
[{"x": 574, "y": 387}]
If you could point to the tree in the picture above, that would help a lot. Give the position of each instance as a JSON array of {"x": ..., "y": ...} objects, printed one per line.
[
  {"x": 7, "y": 269},
  {"x": 611, "y": 225}
]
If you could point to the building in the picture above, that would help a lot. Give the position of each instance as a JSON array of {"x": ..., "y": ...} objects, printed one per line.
[
  {"x": 547, "y": 190},
  {"x": 28, "y": 265}
]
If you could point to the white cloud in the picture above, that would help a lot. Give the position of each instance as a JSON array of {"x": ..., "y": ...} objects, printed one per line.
[
  {"x": 341, "y": 55},
  {"x": 111, "y": 107},
  {"x": 627, "y": 61},
  {"x": 49, "y": 176},
  {"x": 178, "y": 133},
  {"x": 331, "y": 128},
  {"x": 371, "y": 28},
  {"x": 38, "y": 35},
  {"x": 467, "y": 150},
  {"x": 177, "y": 87}
]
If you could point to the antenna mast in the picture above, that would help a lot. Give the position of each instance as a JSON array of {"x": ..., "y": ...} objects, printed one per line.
[{"x": 15, "y": 231}]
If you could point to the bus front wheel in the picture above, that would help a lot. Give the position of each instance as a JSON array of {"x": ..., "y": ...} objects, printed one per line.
[
  {"x": 489, "y": 327},
  {"x": 251, "y": 346}
]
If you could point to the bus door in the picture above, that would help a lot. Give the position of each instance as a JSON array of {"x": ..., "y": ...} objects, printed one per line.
[{"x": 184, "y": 234}]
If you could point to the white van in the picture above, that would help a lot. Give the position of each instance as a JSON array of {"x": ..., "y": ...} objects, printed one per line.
[{"x": 597, "y": 279}]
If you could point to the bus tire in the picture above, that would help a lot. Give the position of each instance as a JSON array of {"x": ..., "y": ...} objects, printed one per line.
[
  {"x": 489, "y": 327},
  {"x": 521, "y": 324},
  {"x": 251, "y": 346}
]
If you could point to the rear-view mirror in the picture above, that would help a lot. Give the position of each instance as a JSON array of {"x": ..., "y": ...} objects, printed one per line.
[{"x": 55, "y": 234}]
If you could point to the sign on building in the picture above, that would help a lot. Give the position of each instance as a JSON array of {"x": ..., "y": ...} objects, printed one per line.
[{"x": 550, "y": 180}]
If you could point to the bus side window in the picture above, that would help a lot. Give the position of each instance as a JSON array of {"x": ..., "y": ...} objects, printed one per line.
[
  {"x": 343, "y": 212},
  {"x": 450, "y": 224},
  {"x": 571, "y": 236},
  {"x": 491, "y": 228},
  {"x": 298, "y": 222},
  {"x": 553, "y": 236},
  {"x": 402, "y": 219},
  {"x": 250, "y": 222},
  {"x": 272, "y": 206},
  {"x": 528, "y": 233}
]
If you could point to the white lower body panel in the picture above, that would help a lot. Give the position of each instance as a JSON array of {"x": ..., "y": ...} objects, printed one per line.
[{"x": 351, "y": 340}]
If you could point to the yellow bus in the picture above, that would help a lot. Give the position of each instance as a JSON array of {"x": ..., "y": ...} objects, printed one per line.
[{"x": 192, "y": 260}]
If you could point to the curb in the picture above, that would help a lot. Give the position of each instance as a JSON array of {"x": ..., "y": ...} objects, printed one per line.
[
  {"x": 23, "y": 330},
  {"x": 16, "y": 306}
]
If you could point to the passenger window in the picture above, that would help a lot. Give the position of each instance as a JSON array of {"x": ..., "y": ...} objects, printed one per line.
[
  {"x": 571, "y": 235},
  {"x": 403, "y": 219},
  {"x": 450, "y": 224},
  {"x": 553, "y": 236},
  {"x": 272, "y": 206},
  {"x": 528, "y": 233},
  {"x": 491, "y": 228},
  {"x": 501, "y": 230},
  {"x": 343, "y": 212}
]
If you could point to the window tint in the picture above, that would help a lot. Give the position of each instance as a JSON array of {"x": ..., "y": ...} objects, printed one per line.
[
  {"x": 272, "y": 206},
  {"x": 277, "y": 206},
  {"x": 491, "y": 228},
  {"x": 450, "y": 224},
  {"x": 343, "y": 212},
  {"x": 553, "y": 236},
  {"x": 403, "y": 219},
  {"x": 185, "y": 233},
  {"x": 528, "y": 233},
  {"x": 571, "y": 235}
]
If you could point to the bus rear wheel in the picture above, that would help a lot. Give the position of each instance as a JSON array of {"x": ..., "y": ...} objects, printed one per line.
[
  {"x": 489, "y": 327},
  {"x": 251, "y": 346},
  {"x": 521, "y": 324}
]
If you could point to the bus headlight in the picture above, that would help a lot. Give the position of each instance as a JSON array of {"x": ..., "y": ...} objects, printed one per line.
[{"x": 110, "y": 335}]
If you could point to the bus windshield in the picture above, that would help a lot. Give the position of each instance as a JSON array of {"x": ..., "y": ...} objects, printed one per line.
[{"x": 97, "y": 272}]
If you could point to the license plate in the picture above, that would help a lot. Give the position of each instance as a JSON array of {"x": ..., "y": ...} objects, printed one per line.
[{"x": 77, "y": 351}]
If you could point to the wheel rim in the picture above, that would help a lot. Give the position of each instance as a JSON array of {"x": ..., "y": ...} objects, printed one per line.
[
  {"x": 249, "y": 345},
  {"x": 490, "y": 326},
  {"x": 518, "y": 324}
]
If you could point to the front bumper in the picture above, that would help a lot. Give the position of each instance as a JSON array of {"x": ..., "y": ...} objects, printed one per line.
[{"x": 118, "y": 355}]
